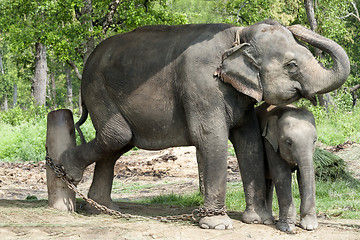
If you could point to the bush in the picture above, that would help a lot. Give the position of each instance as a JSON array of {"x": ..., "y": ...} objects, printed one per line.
[
  {"x": 17, "y": 116},
  {"x": 24, "y": 142}
]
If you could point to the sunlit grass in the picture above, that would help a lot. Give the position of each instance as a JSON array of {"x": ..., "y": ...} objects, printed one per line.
[{"x": 339, "y": 199}]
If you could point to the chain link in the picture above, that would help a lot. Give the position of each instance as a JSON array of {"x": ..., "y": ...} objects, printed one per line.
[{"x": 196, "y": 215}]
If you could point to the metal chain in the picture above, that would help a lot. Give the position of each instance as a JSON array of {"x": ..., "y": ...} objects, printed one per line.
[{"x": 196, "y": 215}]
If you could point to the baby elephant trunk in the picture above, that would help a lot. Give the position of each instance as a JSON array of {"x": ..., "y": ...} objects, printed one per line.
[{"x": 306, "y": 180}]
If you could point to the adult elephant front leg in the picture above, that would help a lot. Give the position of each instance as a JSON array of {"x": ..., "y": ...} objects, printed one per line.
[
  {"x": 248, "y": 146},
  {"x": 214, "y": 156},
  {"x": 210, "y": 135}
]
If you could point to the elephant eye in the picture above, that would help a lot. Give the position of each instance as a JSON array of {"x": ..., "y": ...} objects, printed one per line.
[
  {"x": 291, "y": 64},
  {"x": 289, "y": 142}
]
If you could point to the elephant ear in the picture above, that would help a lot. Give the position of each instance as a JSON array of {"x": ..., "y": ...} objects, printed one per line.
[
  {"x": 240, "y": 69},
  {"x": 270, "y": 132}
]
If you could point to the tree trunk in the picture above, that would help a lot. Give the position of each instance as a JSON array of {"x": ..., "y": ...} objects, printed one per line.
[
  {"x": 86, "y": 21},
  {"x": 59, "y": 137},
  {"x": 14, "y": 95},
  {"x": 69, "y": 95},
  {"x": 53, "y": 90},
  {"x": 1, "y": 65},
  {"x": 40, "y": 75},
  {"x": 310, "y": 13},
  {"x": 6, "y": 105}
]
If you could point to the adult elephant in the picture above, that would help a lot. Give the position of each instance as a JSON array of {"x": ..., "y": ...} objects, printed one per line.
[{"x": 166, "y": 86}]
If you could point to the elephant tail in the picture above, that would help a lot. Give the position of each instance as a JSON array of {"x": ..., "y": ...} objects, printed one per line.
[{"x": 82, "y": 119}]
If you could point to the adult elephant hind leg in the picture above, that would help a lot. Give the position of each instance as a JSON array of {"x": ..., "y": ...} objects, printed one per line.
[
  {"x": 249, "y": 151},
  {"x": 113, "y": 134},
  {"x": 100, "y": 189}
]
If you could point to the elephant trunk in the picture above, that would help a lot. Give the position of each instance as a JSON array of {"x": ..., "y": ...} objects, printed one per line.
[
  {"x": 306, "y": 180},
  {"x": 327, "y": 79}
]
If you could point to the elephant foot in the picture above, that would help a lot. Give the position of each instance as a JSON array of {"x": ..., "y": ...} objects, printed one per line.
[
  {"x": 73, "y": 172},
  {"x": 258, "y": 216},
  {"x": 220, "y": 222},
  {"x": 285, "y": 225},
  {"x": 309, "y": 222}
]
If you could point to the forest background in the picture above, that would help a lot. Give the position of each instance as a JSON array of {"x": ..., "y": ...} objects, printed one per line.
[{"x": 45, "y": 43}]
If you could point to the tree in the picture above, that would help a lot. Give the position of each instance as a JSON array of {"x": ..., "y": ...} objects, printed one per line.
[{"x": 39, "y": 84}]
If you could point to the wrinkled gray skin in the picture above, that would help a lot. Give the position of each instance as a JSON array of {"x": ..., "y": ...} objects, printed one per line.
[
  {"x": 166, "y": 86},
  {"x": 289, "y": 139}
]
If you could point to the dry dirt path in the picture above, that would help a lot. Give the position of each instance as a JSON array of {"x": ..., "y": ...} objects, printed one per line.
[{"x": 171, "y": 170}]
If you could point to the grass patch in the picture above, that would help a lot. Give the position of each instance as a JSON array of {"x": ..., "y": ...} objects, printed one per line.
[
  {"x": 186, "y": 200},
  {"x": 128, "y": 187},
  {"x": 339, "y": 199}
]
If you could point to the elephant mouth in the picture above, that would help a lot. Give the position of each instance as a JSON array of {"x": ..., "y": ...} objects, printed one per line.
[{"x": 312, "y": 99}]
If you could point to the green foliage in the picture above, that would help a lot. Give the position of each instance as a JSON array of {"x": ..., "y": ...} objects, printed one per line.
[
  {"x": 339, "y": 123},
  {"x": 23, "y": 142},
  {"x": 17, "y": 116},
  {"x": 250, "y": 12}
]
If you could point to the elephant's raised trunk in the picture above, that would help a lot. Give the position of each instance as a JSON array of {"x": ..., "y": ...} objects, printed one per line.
[{"x": 328, "y": 79}]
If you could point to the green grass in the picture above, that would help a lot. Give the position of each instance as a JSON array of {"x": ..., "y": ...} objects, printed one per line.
[
  {"x": 339, "y": 199},
  {"x": 186, "y": 200},
  {"x": 127, "y": 187}
]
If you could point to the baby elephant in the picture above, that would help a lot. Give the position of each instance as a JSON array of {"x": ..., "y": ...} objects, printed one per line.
[{"x": 289, "y": 140}]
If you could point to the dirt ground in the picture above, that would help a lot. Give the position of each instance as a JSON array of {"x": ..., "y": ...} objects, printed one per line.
[{"x": 139, "y": 174}]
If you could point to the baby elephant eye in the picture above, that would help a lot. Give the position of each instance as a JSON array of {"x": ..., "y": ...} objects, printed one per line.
[{"x": 289, "y": 142}]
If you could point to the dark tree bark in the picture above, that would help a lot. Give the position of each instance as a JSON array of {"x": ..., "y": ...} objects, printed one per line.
[
  {"x": 110, "y": 15},
  {"x": 39, "y": 82},
  {"x": 86, "y": 21},
  {"x": 75, "y": 68},
  {"x": 310, "y": 13}
]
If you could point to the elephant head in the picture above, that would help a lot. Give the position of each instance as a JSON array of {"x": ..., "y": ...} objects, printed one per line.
[
  {"x": 268, "y": 63},
  {"x": 293, "y": 135}
]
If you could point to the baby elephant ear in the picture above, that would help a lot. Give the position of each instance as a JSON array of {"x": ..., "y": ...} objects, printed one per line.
[
  {"x": 239, "y": 68},
  {"x": 270, "y": 132}
]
